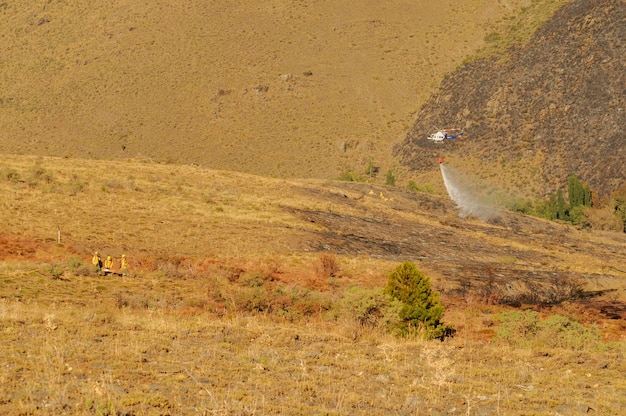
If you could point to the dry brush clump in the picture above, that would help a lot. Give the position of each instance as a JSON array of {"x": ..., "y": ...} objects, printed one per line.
[
  {"x": 259, "y": 290},
  {"x": 406, "y": 306},
  {"x": 498, "y": 290},
  {"x": 328, "y": 265},
  {"x": 370, "y": 308}
]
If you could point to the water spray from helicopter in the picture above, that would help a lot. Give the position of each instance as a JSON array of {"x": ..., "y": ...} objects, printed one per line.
[{"x": 467, "y": 194}]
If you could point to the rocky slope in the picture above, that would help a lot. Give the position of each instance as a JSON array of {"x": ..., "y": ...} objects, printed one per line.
[{"x": 547, "y": 109}]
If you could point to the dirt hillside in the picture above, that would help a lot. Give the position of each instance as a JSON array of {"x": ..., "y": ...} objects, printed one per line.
[{"x": 279, "y": 88}]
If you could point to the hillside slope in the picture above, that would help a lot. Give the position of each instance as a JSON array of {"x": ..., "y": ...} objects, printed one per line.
[
  {"x": 172, "y": 213},
  {"x": 279, "y": 88},
  {"x": 234, "y": 263},
  {"x": 550, "y": 108}
]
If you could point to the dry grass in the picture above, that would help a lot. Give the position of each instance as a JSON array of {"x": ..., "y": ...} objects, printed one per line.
[
  {"x": 274, "y": 89},
  {"x": 231, "y": 309},
  {"x": 70, "y": 347},
  {"x": 165, "y": 212},
  {"x": 130, "y": 206}
]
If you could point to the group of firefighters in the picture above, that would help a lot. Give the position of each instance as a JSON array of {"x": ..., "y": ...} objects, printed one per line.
[{"x": 108, "y": 264}]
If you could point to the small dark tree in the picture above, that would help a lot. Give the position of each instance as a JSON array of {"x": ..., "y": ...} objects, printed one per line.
[
  {"x": 372, "y": 169},
  {"x": 421, "y": 310},
  {"x": 391, "y": 179}
]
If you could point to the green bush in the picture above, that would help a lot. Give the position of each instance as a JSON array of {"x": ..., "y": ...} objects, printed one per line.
[
  {"x": 518, "y": 205},
  {"x": 370, "y": 307},
  {"x": 579, "y": 196},
  {"x": 412, "y": 186},
  {"x": 578, "y": 216},
  {"x": 517, "y": 328},
  {"x": 421, "y": 310},
  {"x": 79, "y": 268},
  {"x": 560, "y": 332},
  {"x": 619, "y": 205},
  {"x": 350, "y": 176},
  {"x": 524, "y": 329},
  {"x": 52, "y": 270}
]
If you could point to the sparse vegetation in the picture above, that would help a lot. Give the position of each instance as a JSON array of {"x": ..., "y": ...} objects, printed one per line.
[
  {"x": 350, "y": 176},
  {"x": 390, "y": 178},
  {"x": 524, "y": 329},
  {"x": 215, "y": 304},
  {"x": 316, "y": 106},
  {"x": 37, "y": 175},
  {"x": 580, "y": 210},
  {"x": 556, "y": 289},
  {"x": 412, "y": 186},
  {"x": 76, "y": 185},
  {"x": 11, "y": 175},
  {"x": 371, "y": 170},
  {"x": 255, "y": 295},
  {"x": 205, "y": 358},
  {"x": 518, "y": 29}
]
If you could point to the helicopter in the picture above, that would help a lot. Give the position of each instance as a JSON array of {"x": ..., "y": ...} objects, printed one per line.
[{"x": 446, "y": 134}]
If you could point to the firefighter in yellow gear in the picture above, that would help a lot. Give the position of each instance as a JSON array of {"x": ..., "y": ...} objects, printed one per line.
[
  {"x": 108, "y": 264},
  {"x": 97, "y": 261},
  {"x": 124, "y": 265}
]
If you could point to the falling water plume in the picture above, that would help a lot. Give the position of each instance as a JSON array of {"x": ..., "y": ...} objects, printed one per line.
[{"x": 467, "y": 195}]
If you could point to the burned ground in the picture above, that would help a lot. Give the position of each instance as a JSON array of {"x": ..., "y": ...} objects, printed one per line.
[{"x": 523, "y": 259}]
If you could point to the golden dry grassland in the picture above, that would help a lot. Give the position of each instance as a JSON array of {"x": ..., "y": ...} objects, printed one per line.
[
  {"x": 278, "y": 88},
  {"x": 86, "y": 355},
  {"x": 229, "y": 308}
]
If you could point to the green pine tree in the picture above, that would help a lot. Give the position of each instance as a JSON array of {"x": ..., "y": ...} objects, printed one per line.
[
  {"x": 421, "y": 310},
  {"x": 579, "y": 193},
  {"x": 587, "y": 196}
]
